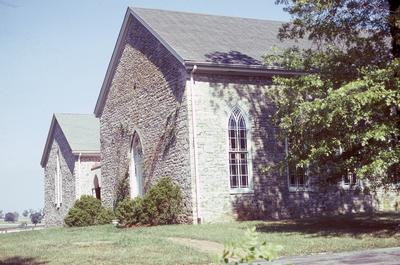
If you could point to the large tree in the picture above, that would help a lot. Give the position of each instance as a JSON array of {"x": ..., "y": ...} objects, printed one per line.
[{"x": 343, "y": 112}]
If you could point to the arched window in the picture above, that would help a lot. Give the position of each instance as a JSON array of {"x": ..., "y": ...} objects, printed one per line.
[
  {"x": 96, "y": 189},
  {"x": 238, "y": 151},
  {"x": 136, "y": 167}
]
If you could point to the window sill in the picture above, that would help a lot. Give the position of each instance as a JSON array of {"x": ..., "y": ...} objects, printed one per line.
[
  {"x": 241, "y": 191},
  {"x": 300, "y": 189},
  {"x": 350, "y": 187}
]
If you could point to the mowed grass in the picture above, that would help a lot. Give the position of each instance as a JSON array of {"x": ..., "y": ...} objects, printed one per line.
[{"x": 150, "y": 245}]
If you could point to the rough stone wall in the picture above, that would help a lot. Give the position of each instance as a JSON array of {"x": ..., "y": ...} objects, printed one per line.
[
  {"x": 387, "y": 198},
  {"x": 54, "y": 216},
  {"x": 147, "y": 95},
  {"x": 215, "y": 96},
  {"x": 85, "y": 179}
]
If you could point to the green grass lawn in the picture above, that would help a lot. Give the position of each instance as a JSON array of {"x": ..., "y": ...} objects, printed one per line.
[{"x": 150, "y": 245}]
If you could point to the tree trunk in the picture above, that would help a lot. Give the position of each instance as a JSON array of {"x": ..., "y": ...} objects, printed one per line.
[{"x": 394, "y": 7}]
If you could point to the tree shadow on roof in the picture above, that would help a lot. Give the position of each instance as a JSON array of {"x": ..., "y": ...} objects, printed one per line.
[
  {"x": 17, "y": 260},
  {"x": 381, "y": 225},
  {"x": 231, "y": 57}
]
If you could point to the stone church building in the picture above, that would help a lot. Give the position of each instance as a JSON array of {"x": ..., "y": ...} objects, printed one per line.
[
  {"x": 184, "y": 97},
  {"x": 71, "y": 163}
]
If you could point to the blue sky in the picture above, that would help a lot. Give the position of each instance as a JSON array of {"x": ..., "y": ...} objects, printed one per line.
[{"x": 53, "y": 58}]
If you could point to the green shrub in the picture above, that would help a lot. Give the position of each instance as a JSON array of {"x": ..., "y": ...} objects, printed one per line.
[
  {"x": 249, "y": 249},
  {"x": 105, "y": 217},
  {"x": 88, "y": 211},
  {"x": 78, "y": 217},
  {"x": 130, "y": 212},
  {"x": 162, "y": 204}
]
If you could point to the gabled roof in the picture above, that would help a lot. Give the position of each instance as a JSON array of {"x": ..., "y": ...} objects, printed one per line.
[
  {"x": 215, "y": 39},
  {"x": 82, "y": 132},
  {"x": 214, "y": 43}
]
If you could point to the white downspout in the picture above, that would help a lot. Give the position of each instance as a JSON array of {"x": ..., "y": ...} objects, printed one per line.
[
  {"x": 78, "y": 192},
  {"x": 196, "y": 173}
]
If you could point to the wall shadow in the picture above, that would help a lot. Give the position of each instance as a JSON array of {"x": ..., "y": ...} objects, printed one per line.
[
  {"x": 271, "y": 198},
  {"x": 232, "y": 57},
  {"x": 382, "y": 225},
  {"x": 17, "y": 260}
]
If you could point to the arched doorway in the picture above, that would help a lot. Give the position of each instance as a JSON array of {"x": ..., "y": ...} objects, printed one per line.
[
  {"x": 136, "y": 167},
  {"x": 96, "y": 188}
]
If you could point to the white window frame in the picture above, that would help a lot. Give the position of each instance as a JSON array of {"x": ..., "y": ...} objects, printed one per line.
[
  {"x": 58, "y": 182},
  {"x": 296, "y": 187},
  {"x": 249, "y": 188},
  {"x": 351, "y": 184}
]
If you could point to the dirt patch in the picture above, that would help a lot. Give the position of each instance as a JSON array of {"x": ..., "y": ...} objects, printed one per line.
[{"x": 201, "y": 245}]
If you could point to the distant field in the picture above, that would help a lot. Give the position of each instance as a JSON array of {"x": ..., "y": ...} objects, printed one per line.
[
  {"x": 151, "y": 245},
  {"x": 20, "y": 220},
  {"x": 4, "y": 224}
]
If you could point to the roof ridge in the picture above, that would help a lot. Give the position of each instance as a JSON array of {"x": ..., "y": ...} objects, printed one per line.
[{"x": 205, "y": 14}]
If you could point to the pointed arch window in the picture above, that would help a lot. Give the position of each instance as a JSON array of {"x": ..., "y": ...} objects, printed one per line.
[
  {"x": 96, "y": 191},
  {"x": 136, "y": 167},
  {"x": 238, "y": 150}
]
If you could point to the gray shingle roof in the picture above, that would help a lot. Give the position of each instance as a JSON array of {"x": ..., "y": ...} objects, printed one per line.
[
  {"x": 217, "y": 39},
  {"x": 82, "y": 132}
]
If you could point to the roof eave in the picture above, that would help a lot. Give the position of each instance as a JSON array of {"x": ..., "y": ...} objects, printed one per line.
[
  {"x": 86, "y": 152},
  {"x": 99, "y": 104},
  {"x": 48, "y": 142},
  {"x": 239, "y": 69}
]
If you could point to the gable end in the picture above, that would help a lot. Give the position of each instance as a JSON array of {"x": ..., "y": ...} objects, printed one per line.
[{"x": 129, "y": 15}]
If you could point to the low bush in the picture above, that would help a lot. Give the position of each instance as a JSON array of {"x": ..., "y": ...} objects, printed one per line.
[
  {"x": 105, "y": 216},
  {"x": 249, "y": 250},
  {"x": 161, "y": 205},
  {"x": 88, "y": 211},
  {"x": 130, "y": 212}
]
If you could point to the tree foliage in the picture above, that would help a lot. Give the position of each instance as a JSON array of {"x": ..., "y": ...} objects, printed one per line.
[
  {"x": 36, "y": 217},
  {"x": 10, "y": 217},
  {"x": 25, "y": 213},
  {"x": 342, "y": 113}
]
